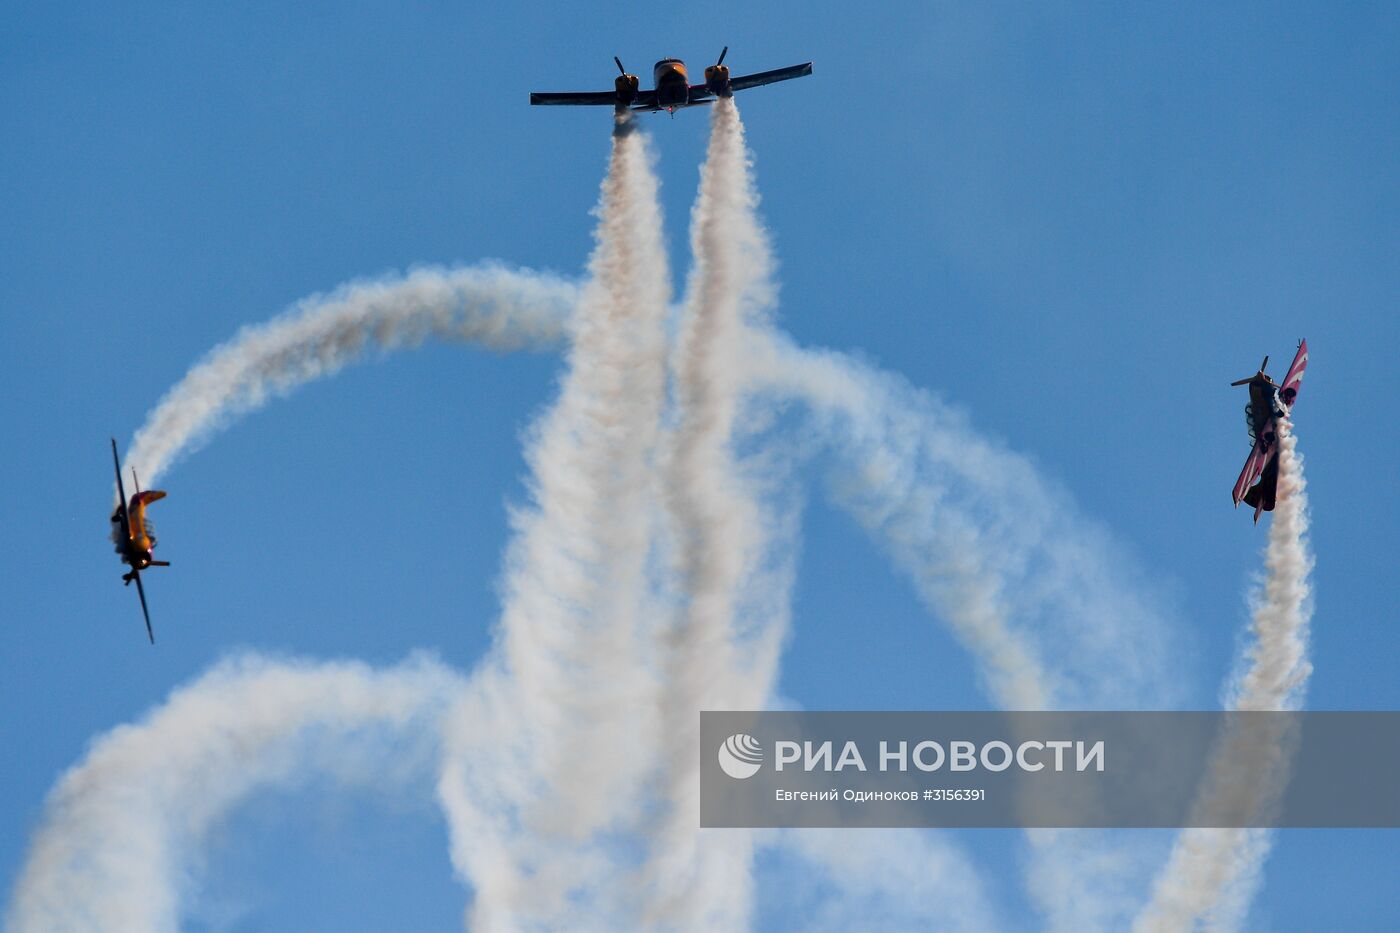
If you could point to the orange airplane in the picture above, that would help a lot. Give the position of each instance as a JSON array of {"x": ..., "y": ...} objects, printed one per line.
[{"x": 132, "y": 534}]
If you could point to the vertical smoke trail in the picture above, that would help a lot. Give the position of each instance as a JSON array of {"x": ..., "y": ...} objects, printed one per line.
[
  {"x": 570, "y": 690},
  {"x": 121, "y": 829},
  {"x": 492, "y": 305},
  {"x": 1278, "y": 666},
  {"x": 1212, "y": 873},
  {"x": 694, "y": 880}
]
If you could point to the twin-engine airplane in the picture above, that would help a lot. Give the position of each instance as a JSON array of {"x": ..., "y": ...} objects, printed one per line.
[
  {"x": 1267, "y": 401},
  {"x": 132, "y": 534},
  {"x": 673, "y": 88}
]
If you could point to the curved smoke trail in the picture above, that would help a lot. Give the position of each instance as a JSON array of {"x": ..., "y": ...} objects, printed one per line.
[
  {"x": 121, "y": 829},
  {"x": 492, "y": 305},
  {"x": 570, "y": 690},
  {"x": 1050, "y": 612},
  {"x": 1212, "y": 873}
]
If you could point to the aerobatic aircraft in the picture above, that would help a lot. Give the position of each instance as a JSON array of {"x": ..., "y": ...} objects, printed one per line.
[
  {"x": 132, "y": 534},
  {"x": 1267, "y": 401},
  {"x": 673, "y": 88}
]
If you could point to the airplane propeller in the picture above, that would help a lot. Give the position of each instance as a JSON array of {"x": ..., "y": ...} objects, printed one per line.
[
  {"x": 1244, "y": 382},
  {"x": 619, "y": 65},
  {"x": 721, "y": 55}
]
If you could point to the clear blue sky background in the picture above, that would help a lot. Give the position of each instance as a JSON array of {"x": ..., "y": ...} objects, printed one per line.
[{"x": 1080, "y": 222}]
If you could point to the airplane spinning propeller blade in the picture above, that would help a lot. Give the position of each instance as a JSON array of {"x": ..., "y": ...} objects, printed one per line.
[
  {"x": 721, "y": 55},
  {"x": 619, "y": 65},
  {"x": 1244, "y": 382},
  {"x": 141, "y": 591}
]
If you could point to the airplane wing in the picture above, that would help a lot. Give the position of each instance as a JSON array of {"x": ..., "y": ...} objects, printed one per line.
[
  {"x": 645, "y": 100},
  {"x": 574, "y": 98},
  {"x": 141, "y": 591},
  {"x": 121, "y": 489},
  {"x": 1253, "y": 468},
  {"x": 700, "y": 93},
  {"x": 744, "y": 82},
  {"x": 1288, "y": 390}
]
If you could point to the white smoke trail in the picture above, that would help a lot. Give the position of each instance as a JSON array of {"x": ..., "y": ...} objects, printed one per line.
[
  {"x": 123, "y": 829},
  {"x": 492, "y": 305},
  {"x": 571, "y": 693},
  {"x": 1278, "y": 666},
  {"x": 1052, "y": 614},
  {"x": 1212, "y": 873},
  {"x": 695, "y": 880}
]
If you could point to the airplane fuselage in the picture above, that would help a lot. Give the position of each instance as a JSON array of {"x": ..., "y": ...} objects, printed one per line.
[
  {"x": 135, "y": 557},
  {"x": 672, "y": 84},
  {"x": 1262, "y": 392},
  {"x": 134, "y": 540},
  {"x": 133, "y": 549}
]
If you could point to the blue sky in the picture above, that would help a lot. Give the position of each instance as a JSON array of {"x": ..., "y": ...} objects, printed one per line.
[{"x": 1077, "y": 222}]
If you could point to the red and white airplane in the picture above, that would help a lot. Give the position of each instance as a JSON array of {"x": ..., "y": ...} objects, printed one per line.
[{"x": 1267, "y": 401}]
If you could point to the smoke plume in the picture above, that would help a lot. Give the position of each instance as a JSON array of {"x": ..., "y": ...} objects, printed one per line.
[
  {"x": 1212, "y": 873},
  {"x": 122, "y": 830},
  {"x": 713, "y": 661},
  {"x": 569, "y": 693}
]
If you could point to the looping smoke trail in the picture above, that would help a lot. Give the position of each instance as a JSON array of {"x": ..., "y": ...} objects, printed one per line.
[
  {"x": 1212, "y": 873},
  {"x": 696, "y": 881},
  {"x": 1051, "y": 612},
  {"x": 570, "y": 691},
  {"x": 489, "y": 304},
  {"x": 122, "y": 828}
]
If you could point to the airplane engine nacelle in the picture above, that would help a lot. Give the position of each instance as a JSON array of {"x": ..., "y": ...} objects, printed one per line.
[
  {"x": 717, "y": 80},
  {"x": 626, "y": 86}
]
